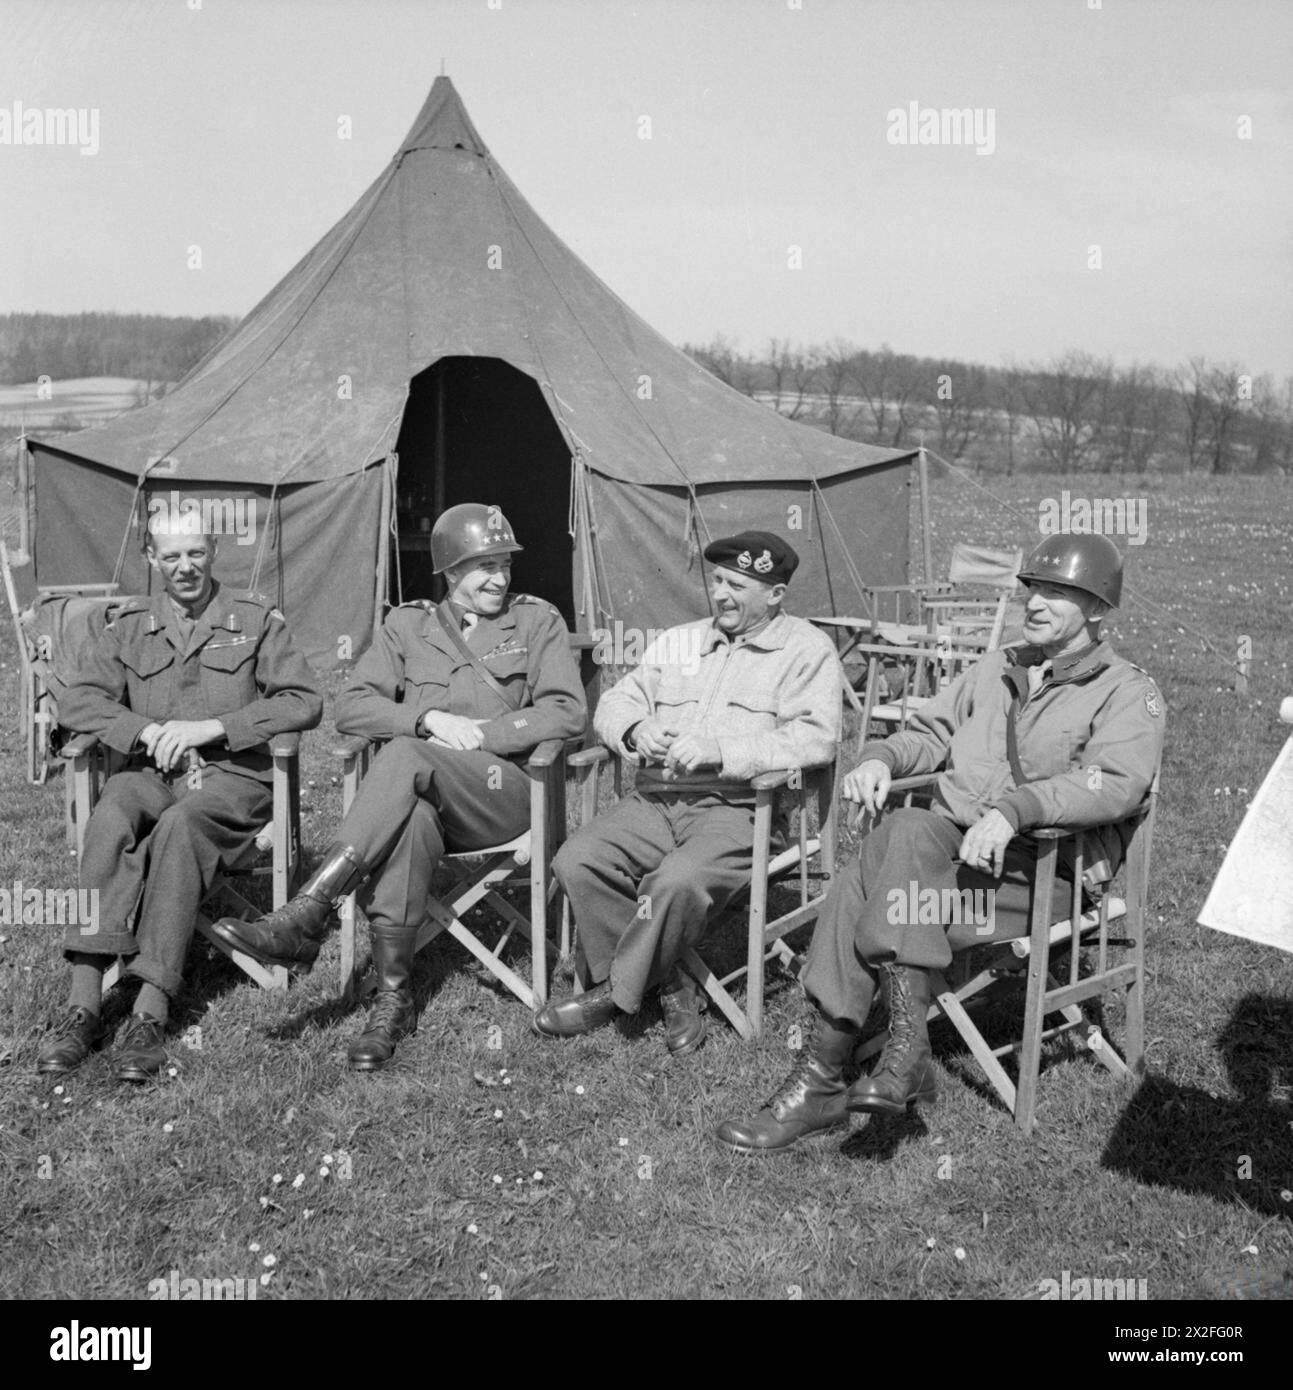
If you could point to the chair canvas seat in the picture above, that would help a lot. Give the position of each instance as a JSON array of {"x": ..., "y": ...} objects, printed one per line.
[{"x": 519, "y": 849}]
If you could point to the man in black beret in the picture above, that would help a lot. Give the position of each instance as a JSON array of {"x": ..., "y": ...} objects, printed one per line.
[{"x": 712, "y": 704}]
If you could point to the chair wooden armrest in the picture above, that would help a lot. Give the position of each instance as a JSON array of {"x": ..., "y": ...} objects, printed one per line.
[
  {"x": 589, "y": 757},
  {"x": 545, "y": 754},
  {"x": 79, "y": 746},
  {"x": 285, "y": 745},
  {"x": 349, "y": 746},
  {"x": 911, "y": 784}
]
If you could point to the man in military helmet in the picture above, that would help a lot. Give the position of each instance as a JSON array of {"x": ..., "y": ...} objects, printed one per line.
[
  {"x": 189, "y": 686},
  {"x": 1057, "y": 730},
  {"x": 462, "y": 691},
  {"x": 712, "y": 704}
]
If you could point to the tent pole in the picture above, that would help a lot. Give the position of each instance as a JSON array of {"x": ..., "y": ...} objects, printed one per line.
[
  {"x": 583, "y": 522},
  {"x": 382, "y": 585},
  {"x": 439, "y": 438},
  {"x": 24, "y": 492},
  {"x": 922, "y": 469}
]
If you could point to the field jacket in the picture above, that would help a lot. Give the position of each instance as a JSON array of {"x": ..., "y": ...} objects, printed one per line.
[
  {"x": 413, "y": 666},
  {"x": 1089, "y": 741},
  {"x": 239, "y": 665},
  {"x": 772, "y": 700}
]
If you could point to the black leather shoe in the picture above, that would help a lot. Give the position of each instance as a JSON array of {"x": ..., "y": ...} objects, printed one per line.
[
  {"x": 810, "y": 1099},
  {"x": 290, "y": 935},
  {"x": 581, "y": 1013},
  {"x": 391, "y": 1017},
  {"x": 70, "y": 1042},
  {"x": 682, "y": 1003},
  {"x": 140, "y": 1054},
  {"x": 904, "y": 1071}
]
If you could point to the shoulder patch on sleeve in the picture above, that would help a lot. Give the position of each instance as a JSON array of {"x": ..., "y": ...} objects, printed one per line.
[{"x": 1153, "y": 701}]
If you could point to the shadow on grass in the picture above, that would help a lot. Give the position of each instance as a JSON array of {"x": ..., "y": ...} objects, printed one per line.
[
  {"x": 1232, "y": 1148},
  {"x": 880, "y": 1138}
]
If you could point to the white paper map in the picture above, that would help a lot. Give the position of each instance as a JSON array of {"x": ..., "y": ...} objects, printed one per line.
[{"x": 1253, "y": 893}]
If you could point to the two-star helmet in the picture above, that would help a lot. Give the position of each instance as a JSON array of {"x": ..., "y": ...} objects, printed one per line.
[{"x": 1087, "y": 562}]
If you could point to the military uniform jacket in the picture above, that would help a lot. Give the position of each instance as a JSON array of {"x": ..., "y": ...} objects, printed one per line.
[
  {"x": 771, "y": 699},
  {"x": 413, "y": 666},
  {"x": 239, "y": 666},
  {"x": 1089, "y": 740}
]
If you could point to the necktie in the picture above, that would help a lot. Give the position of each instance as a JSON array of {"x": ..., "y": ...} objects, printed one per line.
[
  {"x": 468, "y": 622},
  {"x": 1036, "y": 675}
]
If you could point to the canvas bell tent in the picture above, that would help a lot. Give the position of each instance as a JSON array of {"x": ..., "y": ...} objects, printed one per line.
[{"x": 440, "y": 345}]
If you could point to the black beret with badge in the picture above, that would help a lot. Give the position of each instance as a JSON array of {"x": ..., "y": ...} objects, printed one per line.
[{"x": 760, "y": 554}]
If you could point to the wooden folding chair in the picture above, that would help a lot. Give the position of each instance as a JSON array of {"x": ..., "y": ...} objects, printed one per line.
[
  {"x": 980, "y": 584},
  {"x": 764, "y": 938},
  {"x": 480, "y": 875},
  {"x": 276, "y": 854},
  {"x": 42, "y": 620},
  {"x": 982, "y": 972},
  {"x": 903, "y": 679}
]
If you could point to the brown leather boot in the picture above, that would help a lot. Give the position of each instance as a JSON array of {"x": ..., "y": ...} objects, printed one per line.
[
  {"x": 811, "y": 1098},
  {"x": 391, "y": 1012},
  {"x": 291, "y": 934},
  {"x": 904, "y": 1071}
]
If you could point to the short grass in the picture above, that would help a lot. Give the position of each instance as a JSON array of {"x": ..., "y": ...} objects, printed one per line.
[{"x": 487, "y": 1162}]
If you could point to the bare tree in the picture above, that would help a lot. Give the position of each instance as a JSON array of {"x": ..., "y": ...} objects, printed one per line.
[
  {"x": 957, "y": 400},
  {"x": 1009, "y": 401},
  {"x": 1191, "y": 382},
  {"x": 1065, "y": 400},
  {"x": 1134, "y": 419},
  {"x": 836, "y": 375},
  {"x": 889, "y": 386},
  {"x": 1269, "y": 426},
  {"x": 1222, "y": 405},
  {"x": 724, "y": 360}
]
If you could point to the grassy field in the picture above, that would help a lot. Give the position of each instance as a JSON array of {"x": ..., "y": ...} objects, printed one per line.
[{"x": 488, "y": 1163}]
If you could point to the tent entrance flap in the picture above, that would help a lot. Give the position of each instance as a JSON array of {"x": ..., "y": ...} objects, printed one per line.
[{"x": 476, "y": 429}]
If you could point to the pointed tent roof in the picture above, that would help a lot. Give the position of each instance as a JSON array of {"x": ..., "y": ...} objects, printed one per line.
[{"x": 441, "y": 256}]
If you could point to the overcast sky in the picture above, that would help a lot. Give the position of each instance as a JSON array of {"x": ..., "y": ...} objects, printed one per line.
[{"x": 1119, "y": 127}]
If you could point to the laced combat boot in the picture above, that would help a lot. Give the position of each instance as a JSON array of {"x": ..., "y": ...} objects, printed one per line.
[
  {"x": 904, "y": 1071},
  {"x": 391, "y": 1014},
  {"x": 810, "y": 1099},
  {"x": 291, "y": 934}
]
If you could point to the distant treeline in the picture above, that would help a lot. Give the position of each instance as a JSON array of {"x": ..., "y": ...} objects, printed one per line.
[
  {"x": 1073, "y": 413},
  {"x": 147, "y": 347}
]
